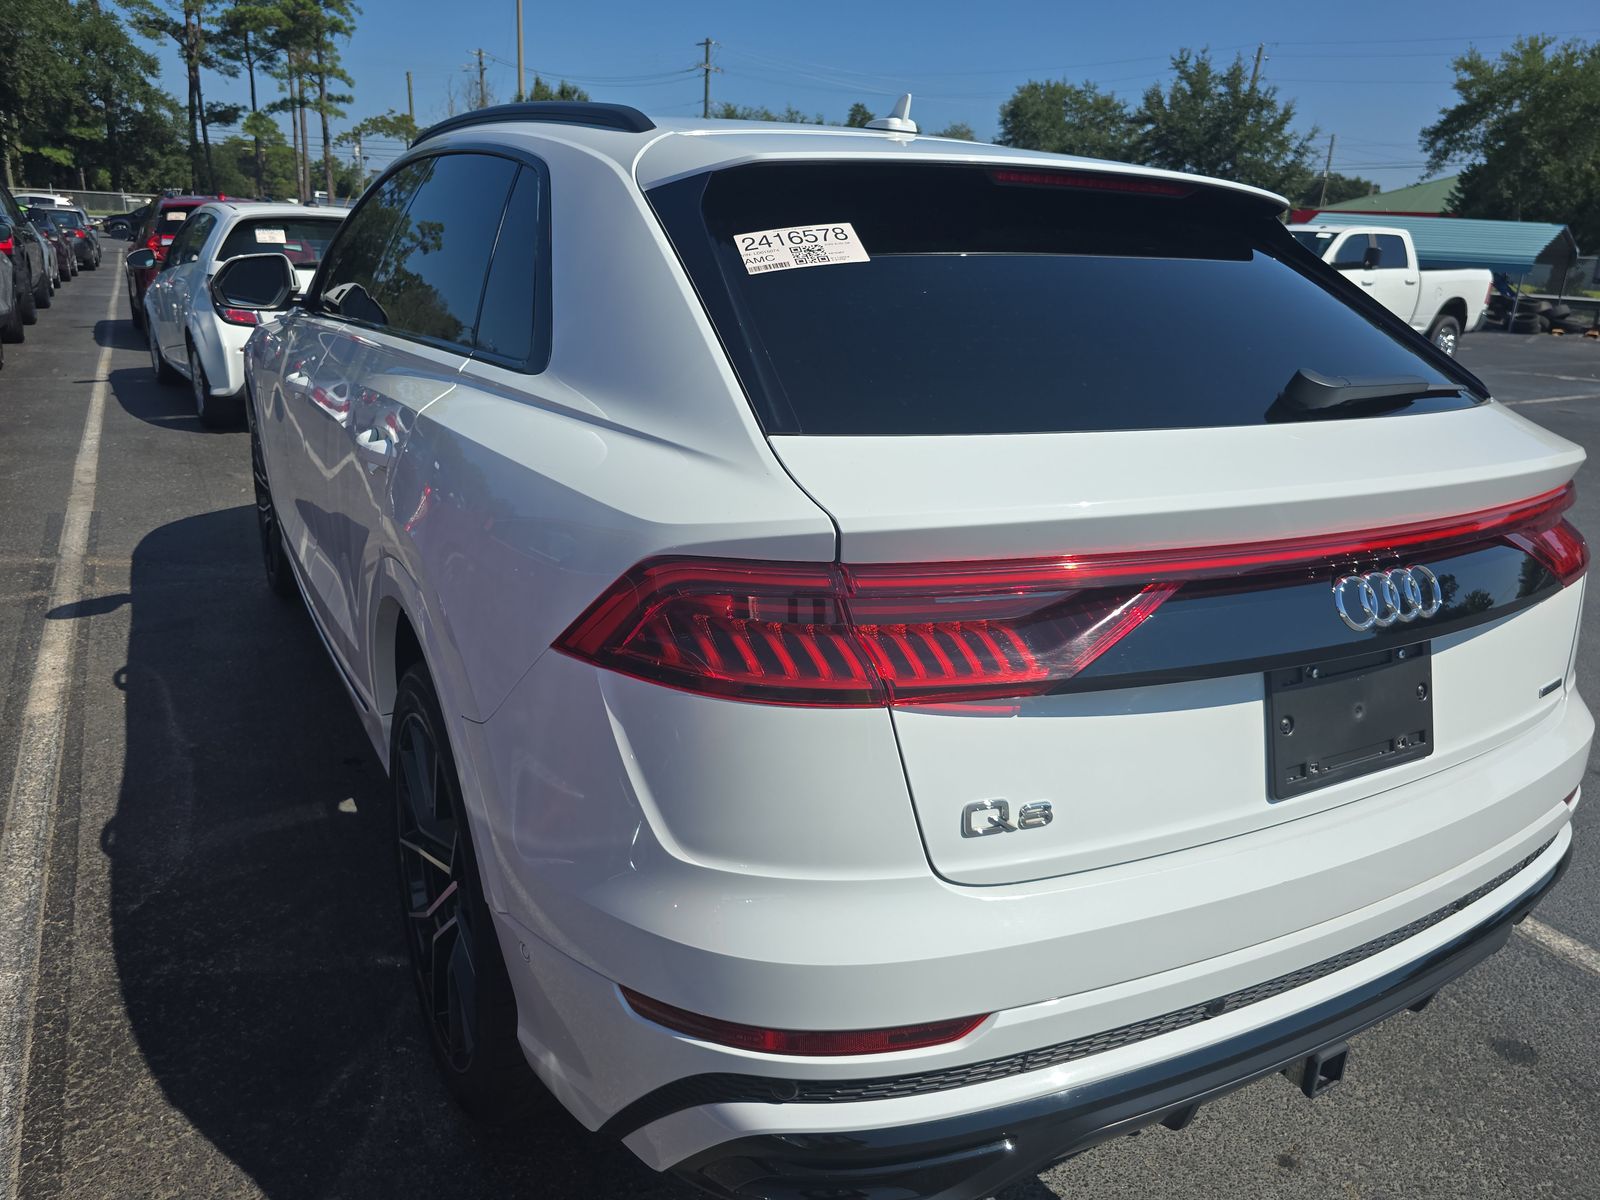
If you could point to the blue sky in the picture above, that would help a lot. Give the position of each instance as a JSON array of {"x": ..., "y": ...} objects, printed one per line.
[{"x": 1372, "y": 73}]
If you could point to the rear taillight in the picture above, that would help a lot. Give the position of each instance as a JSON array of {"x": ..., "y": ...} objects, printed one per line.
[
  {"x": 77, "y": 233},
  {"x": 8, "y": 246},
  {"x": 840, "y": 635},
  {"x": 1560, "y": 547},
  {"x": 819, "y": 1044},
  {"x": 238, "y": 316}
]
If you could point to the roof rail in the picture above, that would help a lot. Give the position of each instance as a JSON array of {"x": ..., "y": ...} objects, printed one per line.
[{"x": 621, "y": 117}]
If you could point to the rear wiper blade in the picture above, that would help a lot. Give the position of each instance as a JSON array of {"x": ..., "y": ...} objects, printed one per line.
[{"x": 1311, "y": 393}]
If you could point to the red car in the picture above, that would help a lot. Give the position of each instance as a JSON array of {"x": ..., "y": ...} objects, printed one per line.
[{"x": 163, "y": 217}]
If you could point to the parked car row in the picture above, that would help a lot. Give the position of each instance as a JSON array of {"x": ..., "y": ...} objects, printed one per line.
[
  {"x": 856, "y": 725},
  {"x": 42, "y": 247},
  {"x": 192, "y": 334}
]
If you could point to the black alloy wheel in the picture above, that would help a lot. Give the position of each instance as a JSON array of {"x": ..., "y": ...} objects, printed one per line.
[{"x": 460, "y": 976}]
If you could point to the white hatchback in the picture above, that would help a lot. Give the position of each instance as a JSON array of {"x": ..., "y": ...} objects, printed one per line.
[
  {"x": 189, "y": 334},
  {"x": 866, "y": 718}
]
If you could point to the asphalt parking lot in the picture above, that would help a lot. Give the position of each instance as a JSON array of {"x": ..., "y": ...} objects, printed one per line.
[{"x": 221, "y": 1007}]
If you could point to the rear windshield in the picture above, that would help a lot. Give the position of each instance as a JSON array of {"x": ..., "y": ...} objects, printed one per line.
[
  {"x": 66, "y": 217},
  {"x": 986, "y": 306},
  {"x": 177, "y": 216},
  {"x": 303, "y": 239}
]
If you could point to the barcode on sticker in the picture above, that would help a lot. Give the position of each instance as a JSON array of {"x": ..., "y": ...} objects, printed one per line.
[{"x": 799, "y": 246}]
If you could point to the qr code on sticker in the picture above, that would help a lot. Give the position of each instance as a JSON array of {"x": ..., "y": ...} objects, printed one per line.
[{"x": 809, "y": 256}]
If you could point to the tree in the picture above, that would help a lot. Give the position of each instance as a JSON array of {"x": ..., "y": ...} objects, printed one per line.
[
  {"x": 334, "y": 19},
  {"x": 959, "y": 130},
  {"x": 728, "y": 111},
  {"x": 1067, "y": 118},
  {"x": 1340, "y": 189},
  {"x": 186, "y": 23},
  {"x": 562, "y": 91},
  {"x": 243, "y": 39},
  {"x": 1215, "y": 122},
  {"x": 392, "y": 125},
  {"x": 1528, "y": 125},
  {"x": 858, "y": 116}
]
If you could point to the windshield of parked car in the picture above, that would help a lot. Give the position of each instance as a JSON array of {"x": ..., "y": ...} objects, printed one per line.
[
  {"x": 967, "y": 300},
  {"x": 303, "y": 239}
]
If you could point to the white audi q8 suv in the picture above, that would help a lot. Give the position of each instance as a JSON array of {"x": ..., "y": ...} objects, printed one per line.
[{"x": 867, "y": 715}]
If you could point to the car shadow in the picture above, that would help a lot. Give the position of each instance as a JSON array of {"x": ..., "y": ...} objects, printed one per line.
[
  {"x": 119, "y": 333},
  {"x": 171, "y": 407},
  {"x": 256, "y": 918}
]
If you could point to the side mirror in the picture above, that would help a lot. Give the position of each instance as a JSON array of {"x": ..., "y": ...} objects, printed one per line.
[
  {"x": 141, "y": 260},
  {"x": 1372, "y": 259},
  {"x": 257, "y": 282}
]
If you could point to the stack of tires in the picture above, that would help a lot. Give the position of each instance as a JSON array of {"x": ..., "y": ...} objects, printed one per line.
[{"x": 1540, "y": 316}]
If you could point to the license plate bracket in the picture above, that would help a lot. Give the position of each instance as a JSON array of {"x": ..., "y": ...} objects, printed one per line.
[{"x": 1343, "y": 718}]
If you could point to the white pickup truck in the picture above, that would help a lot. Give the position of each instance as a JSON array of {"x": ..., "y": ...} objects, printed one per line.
[{"x": 1442, "y": 304}]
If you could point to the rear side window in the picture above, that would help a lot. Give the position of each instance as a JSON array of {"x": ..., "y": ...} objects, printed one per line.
[
  {"x": 994, "y": 307},
  {"x": 506, "y": 322},
  {"x": 1391, "y": 251},
  {"x": 303, "y": 239}
]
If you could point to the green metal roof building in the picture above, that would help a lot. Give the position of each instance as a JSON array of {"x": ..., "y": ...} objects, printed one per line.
[{"x": 1427, "y": 199}]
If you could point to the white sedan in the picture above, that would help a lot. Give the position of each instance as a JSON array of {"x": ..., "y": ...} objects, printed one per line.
[{"x": 190, "y": 335}]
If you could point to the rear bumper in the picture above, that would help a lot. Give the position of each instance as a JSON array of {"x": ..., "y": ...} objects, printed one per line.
[{"x": 970, "y": 1156}]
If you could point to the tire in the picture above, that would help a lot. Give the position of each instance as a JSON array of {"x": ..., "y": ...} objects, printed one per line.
[
  {"x": 274, "y": 559},
  {"x": 136, "y": 308},
  {"x": 41, "y": 293},
  {"x": 1525, "y": 323},
  {"x": 213, "y": 411},
  {"x": 1559, "y": 312},
  {"x": 1541, "y": 307},
  {"x": 1446, "y": 334},
  {"x": 28, "y": 307},
  {"x": 462, "y": 986},
  {"x": 14, "y": 331},
  {"x": 158, "y": 365}
]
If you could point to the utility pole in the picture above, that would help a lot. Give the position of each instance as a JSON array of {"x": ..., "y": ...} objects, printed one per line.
[
  {"x": 483, "y": 95},
  {"x": 706, "y": 68},
  {"x": 361, "y": 168},
  {"x": 1255, "y": 71},
  {"x": 411, "y": 107},
  {"x": 521, "y": 95},
  {"x": 1327, "y": 169}
]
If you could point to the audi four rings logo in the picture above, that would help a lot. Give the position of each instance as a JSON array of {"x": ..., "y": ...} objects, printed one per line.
[{"x": 1380, "y": 598}]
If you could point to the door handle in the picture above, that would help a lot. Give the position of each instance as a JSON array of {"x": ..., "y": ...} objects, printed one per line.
[
  {"x": 374, "y": 449},
  {"x": 1411, "y": 283}
]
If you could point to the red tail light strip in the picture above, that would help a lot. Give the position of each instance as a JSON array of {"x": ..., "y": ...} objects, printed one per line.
[
  {"x": 819, "y": 1044},
  {"x": 846, "y": 635}
]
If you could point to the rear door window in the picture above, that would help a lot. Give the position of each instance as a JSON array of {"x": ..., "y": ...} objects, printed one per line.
[
  {"x": 1391, "y": 251},
  {"x": 985, "y": 306}
]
